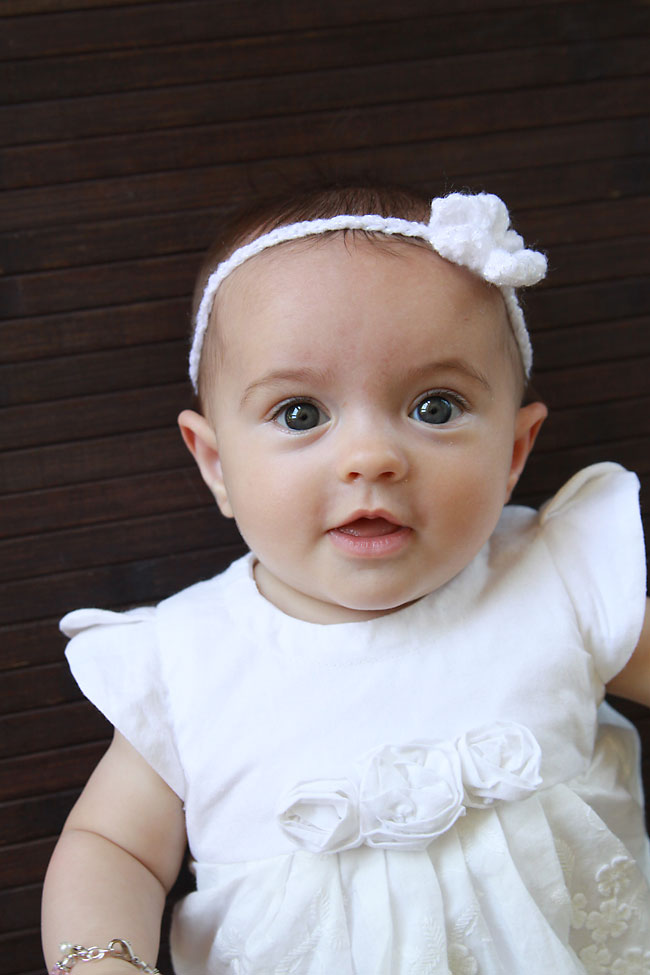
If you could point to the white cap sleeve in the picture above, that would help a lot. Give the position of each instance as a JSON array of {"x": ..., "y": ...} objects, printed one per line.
[
  {"x": 593, "y": 530},
  {"x": 115, "y": 660}
]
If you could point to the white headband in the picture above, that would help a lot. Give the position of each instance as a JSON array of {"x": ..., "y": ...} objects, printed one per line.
[{"x": 470, "y": 230}]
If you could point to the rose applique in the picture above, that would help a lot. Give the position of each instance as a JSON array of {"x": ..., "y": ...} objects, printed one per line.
[
  {"x": 410, "y": 794},
  {"x": 322, "y": 815},
  {"x": 499, "y": 761},
  {"x": 404, "y": 796}
]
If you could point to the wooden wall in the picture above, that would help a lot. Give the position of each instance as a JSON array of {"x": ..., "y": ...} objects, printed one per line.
[{"x": 126, "y": 129}]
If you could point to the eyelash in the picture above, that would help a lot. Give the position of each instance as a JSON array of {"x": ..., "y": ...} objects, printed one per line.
[{"x": 455, "y": 401}]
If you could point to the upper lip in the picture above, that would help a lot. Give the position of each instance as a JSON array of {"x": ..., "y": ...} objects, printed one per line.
[{"x": 370, "y": 514}]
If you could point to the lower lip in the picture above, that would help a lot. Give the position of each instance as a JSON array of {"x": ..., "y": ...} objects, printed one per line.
[{"x": 370, "y": 546}]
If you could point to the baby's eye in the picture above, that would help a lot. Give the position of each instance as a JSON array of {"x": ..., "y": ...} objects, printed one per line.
[
  {"x": 300, "y": 415},
  {"x": 436, "y": 408}
]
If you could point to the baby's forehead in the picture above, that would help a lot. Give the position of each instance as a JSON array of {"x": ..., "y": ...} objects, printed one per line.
[
  {"x": 279, "y": 273},
  {"x": 331, "y": 286}
]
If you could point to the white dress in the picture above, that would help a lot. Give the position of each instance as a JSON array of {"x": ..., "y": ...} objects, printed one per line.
[{"x": 435, "y": 791}]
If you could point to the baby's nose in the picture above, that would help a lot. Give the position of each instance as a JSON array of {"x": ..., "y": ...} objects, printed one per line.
[{"x": 373, "y": 456}]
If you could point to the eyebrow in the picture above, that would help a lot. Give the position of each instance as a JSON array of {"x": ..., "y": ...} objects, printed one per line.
[
  {"x": 456, "y": 365},
  {"x": 313, "y": 377},
  {"x": 304, "y": 376}
]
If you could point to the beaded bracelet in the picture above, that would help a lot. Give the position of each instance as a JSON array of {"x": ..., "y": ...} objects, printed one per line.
[{"x": 117, "y": 948}]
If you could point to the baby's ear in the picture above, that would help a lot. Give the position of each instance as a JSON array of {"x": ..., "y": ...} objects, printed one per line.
[
  {"x": 201, "y": 442},
  {"x": 527, "y": 425}
]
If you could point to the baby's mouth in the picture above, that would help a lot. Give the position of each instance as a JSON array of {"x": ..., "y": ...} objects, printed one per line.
[{"x": 369, "y": 527}]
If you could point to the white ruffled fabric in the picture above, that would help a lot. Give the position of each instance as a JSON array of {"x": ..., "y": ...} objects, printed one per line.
[{"x": 357, "y": 802}]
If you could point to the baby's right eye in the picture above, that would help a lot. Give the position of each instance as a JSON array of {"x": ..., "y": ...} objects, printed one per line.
[{"x": 300, "y": 415}]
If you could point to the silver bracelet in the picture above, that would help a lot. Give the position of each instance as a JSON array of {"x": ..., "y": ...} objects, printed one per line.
[{"x": 117, "y": 948}]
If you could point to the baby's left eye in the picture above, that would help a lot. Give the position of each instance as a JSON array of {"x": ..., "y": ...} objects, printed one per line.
[
  {"x": 435, "y": 408},
  {"x": 300, "y": 415}
]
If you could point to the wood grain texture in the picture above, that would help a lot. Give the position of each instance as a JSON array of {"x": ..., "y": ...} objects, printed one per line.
[{"x": 127, "y": 131}]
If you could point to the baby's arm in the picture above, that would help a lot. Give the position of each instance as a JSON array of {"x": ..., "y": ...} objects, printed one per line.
[
  {"x": 119, "y": 853},
  {"x": 633, "y": 682}
]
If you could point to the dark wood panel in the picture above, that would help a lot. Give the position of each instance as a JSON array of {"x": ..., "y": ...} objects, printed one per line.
[
  {"x": 147, "y": 112},
  {"x": 198, "y": 20},
  {"x": 490, "y": 156},
  {"x": 21, "y": 951},
  {"x": 141, "y": 536},
  {"x": 37, "y": 468},
  {"x": 600, "y": 219},
  {"x": 21, "y": 8},
  {"x": 92, "y": 416},
  {"x": 25, "y": 820},
  {"x": 115, "y": 500},
  {"x": 81, "y": 288},
  {"x": 31, "y": 644},
  {"x": 23, "y": 864},
  {"x": 110, "y": 240},
  {"x": 597, "y": 384},
  {"x": 48, "y": 379},
  {"x": 33, "y": 687},
  {"x": 597, "y": 342},
  {"x": 96, "y": 328},
  {"x": 600, "y": 300},
  {"x": 582, "y": 426},
  {"x": 129, "y": 583},
  {"x": 417, "y": 118},
  {"x": 50, "y": 771},
  {"x": 17, "y": 904},
  {"x": 415, "y": 40},
  {"x": 591, "y": 260},
  {"x": 51, "y": 728}
]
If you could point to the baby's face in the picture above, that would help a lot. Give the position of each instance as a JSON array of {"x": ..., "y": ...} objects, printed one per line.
[{"x": 367, "y": 422}]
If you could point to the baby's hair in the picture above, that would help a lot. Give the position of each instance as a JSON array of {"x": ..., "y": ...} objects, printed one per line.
[{"x": 323, "y": 202}]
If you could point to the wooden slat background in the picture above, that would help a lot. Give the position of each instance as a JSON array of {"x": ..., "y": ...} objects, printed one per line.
[{"x": 126, "y": 129}]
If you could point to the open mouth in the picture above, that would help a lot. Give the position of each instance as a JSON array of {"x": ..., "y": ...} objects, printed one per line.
[
  {"x": 370, "y": 536},
  {"x": 369, "y": 527}
]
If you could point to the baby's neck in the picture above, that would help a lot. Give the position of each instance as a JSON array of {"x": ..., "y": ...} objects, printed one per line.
[{"x": 301, "y": 606}]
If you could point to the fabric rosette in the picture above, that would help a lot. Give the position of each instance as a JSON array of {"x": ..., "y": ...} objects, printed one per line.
[
  {"x": 499, "y": 761},
  {"x": 322, "y": 816},
  {"x": 410, "y": 794},
  {"x": 404, "y": 796},
  {"x": 474, "y": 230}
]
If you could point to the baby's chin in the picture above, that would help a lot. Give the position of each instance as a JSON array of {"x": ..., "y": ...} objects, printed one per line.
[{"x": 318, "y": 610}]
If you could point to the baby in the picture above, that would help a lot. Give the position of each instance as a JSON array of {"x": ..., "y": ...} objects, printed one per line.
[{"x": 382, "y": 731}]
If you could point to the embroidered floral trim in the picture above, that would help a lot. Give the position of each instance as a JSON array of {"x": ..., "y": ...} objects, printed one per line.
[
  {"x": 461, "y": 962},
  {"x": 609, "y": 922},
  {"x": 404, "y": 796}
]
